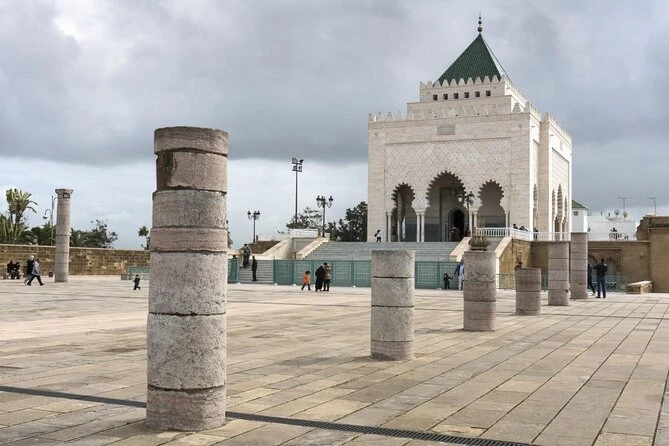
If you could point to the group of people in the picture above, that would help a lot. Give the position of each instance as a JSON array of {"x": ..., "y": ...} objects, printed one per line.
[
  {"x": 32, "y": 271},
  {"x": 14, "y": 269},
  {"x": 323, "y": 276}
]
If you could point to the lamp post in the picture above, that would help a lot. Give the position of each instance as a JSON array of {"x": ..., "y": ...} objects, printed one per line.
[
  {"x": 297, "y": 168},
  {"x": 466, "y": 198},
  {"x": 255, "y": 215},
  {"x": 50, "y": 218},
  {"x": 323, "y": 203}
]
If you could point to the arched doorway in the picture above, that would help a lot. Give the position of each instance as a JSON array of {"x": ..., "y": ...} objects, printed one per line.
[
  {"x": 491, "y": 213},
  {"x": 445, "y": 209},
  {"x": 403, "y": 220},
  {"x": 456, "y": 225}
]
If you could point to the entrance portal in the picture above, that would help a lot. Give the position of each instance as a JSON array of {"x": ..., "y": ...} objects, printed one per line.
[{"x": 456, "y": 225}]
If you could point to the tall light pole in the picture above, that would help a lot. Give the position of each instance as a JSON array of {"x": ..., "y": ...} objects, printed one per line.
[
  {"x": 624, "y": 211},
  {"x": 466, "y": 198},
  {"x": 255, "y": 215},
  {"x": 323, "y": 203},
  {"x": 297, "y": 168},
  {"x": 50, "y": 218},
  {"x": 654, "y": 205}
]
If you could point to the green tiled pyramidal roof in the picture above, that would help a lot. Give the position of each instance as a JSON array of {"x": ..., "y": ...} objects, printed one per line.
[{"x": 477, "y": 60}]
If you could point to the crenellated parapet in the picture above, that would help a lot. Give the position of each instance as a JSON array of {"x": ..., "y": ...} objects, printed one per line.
[
  {"x": 554, "y": 122},
  {"x": 459, "y": 83},
  {"x": 447, "y": 112}
]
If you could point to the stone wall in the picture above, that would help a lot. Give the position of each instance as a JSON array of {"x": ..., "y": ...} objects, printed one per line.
[
  {"x": 83, "y": 261},
  {"x": 517, "y": 249}
]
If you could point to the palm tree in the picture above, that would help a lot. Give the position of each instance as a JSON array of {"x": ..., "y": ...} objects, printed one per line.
[
  {"x": 19, "y": 202},
  {"x": 144, "y": 232},
  {"x": 78, "y": 238}
]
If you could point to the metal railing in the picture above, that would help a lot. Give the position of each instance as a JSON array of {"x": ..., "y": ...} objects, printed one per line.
[{"x": 524, "y": 234}]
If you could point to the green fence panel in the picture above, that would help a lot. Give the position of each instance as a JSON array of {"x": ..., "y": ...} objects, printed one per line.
[
  {"x": 233, "y": 270},
  {"x": 427, "y": 275},
  {"x": 302, "y": 266},
  {"x": 362, "y": 273},
  {"x": 342, "y": 273},
  {"x": 283, "y": 272}
]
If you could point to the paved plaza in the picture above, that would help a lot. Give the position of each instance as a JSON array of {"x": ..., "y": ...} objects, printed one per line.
[{"x": 73, "y": 370}]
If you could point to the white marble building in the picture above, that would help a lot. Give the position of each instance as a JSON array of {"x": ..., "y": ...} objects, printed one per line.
[{"x": 473, "y": 134}]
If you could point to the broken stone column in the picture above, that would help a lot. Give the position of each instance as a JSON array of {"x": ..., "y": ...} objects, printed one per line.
[
  {"x": 186, "y": 331},
  {"x": 480, "y": 291},
  {"x": 558, "y": 273},
  {"x": 392, "y": 304},
  {"x": 578, "y": 265},
  {"x": 61, "y": 269},
  {"x": 528, "y": 291}
]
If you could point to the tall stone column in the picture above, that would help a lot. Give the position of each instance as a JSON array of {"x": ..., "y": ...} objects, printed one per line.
[
  {"x": 528, "y": 291},
  {"x": 558, "y": 273},
  {"x": 62, "y": 263},
  {"x": 392, "y": 304},
  {"x": 578, "y": 265},
  {"x": 480, "y": 291},
  {"x": 186, "y": 331}
]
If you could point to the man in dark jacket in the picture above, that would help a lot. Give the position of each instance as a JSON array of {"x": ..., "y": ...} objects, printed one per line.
[
  {"x": 601, "y": 270},
  {"x": 254, "y": 268},
  {"x": 29, "y": 269}
]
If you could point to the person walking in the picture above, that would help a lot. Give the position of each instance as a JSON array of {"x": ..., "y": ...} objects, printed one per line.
[
  {"x": 29, "y": 269},
  {"x": 306, "y": 281},
  {"x": 136, "y": 281},
  {"x": 460, "y": 273},
  {"x": 447, "y": 281},
  {"x": 327, "y": 276},
  {"x": 590, "y": 284},
  {"x": 378, "y": 236},
  {"x": 254, "y": 268},
  {"x": 246, "y": 254},
  {"x": 601, "y": 270},
  {"x": 35, "y": 274},
  {"x": 320, "y": 275}
]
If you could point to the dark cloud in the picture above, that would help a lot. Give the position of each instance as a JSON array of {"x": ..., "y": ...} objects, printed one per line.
[{"x": 285, "y": 78}]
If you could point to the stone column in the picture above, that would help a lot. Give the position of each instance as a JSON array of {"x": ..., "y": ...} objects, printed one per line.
[
  {"x": 422, "y": 227},
  {"x": 578, "y": 265},
  {"x": 480, "y": 291},
  {"x": 558, "y": 273},
  {"x": 389, "y": 226},
  {"x": 528, "y": 291},
  {"x": 392, "y": 304},
  {"x": 186, "y": 331},
  {"x": 62, "y": 264}
]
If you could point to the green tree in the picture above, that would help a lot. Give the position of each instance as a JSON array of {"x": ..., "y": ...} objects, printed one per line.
[
  {"x": 353, "y": 227},
  {"x": 307, "y": 219},
  {"x": 19, "y": 203},
  {"x": 100, "y": 236},
  {"x": 78, "y": 238},
  {"x": 144, "y": 232}
]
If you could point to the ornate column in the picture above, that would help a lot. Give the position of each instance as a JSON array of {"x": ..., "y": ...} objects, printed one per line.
[
  {"x": 389, "y": 226},
  {"x": 62, "y": 263},
  {"x": 186, "y": 331}
]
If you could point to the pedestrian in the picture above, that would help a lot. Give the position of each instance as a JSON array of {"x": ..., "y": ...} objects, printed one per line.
[
  {"x": 590, "y": 284},
  {"x": 246, "y": 254},
  {"x": 447, "y": 281},
  {"x": 327, "y": 276},
  {"x": 35, "y": 274},
  {"x": 378, "y": 236},
  {"x": 13, "y": 269},
  {"x": 393, "y": 234},
  {"x": 306, "y": 281},
  {"x": 29, "y": 269},
  {"x": 254, "y": 268},
  {"x": 460, "y": 273},
  {"x": 136, "y": 281},
  {"x": 320, "y": 275},
  {"x": 519, "y": 265},
  {"x": 601, "y": 270}
]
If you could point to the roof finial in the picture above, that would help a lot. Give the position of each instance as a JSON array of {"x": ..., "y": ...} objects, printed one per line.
[{"x": 480, "y": 23}]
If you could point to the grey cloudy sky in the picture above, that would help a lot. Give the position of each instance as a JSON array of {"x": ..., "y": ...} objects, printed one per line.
[{"x": 85, "y": 82}]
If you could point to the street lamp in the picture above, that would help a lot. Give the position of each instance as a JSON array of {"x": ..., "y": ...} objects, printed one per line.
[
  {"x": 323, "y": 203},
  {"x": 255, "y": 215},
  {"x": 654, "y": 204},
  {"x": 50, "y": 218},
  {"x": 466, "y": 198},
  {"x": 297, "y": 168}
]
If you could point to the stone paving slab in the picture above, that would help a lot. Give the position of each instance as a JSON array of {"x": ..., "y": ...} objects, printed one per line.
[{"x": 592, "y": 373}]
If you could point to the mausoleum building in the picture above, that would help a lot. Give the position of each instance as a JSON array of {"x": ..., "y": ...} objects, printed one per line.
[{"x": 472, "y": 152}]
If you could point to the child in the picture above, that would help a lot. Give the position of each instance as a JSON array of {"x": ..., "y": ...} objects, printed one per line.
[
  {"x": 306, "y": 280},
  {"x": 136, "y": 280}
]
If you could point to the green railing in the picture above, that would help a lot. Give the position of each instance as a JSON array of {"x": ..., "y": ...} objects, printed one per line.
[
  {"x": 613, "y": 283},
  {"x": 359, "y": 272},
  {"x": 143, "y": 271}
]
